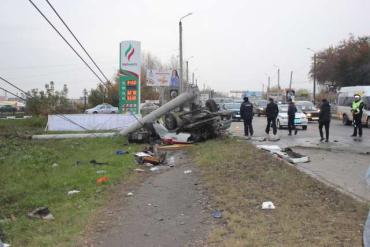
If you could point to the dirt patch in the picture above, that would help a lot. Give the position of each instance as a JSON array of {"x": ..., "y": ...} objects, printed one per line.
[
  {"x": 308, "y": 213},
  {"x": 167, "y": 209}
]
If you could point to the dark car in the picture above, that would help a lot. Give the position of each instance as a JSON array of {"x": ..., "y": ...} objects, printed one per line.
[
  {"x": 259, "y": 107},
  {"x": 308, "y": 108},
  {"x": 7, "y": 108},
  {"x": 234, "y": 108}
]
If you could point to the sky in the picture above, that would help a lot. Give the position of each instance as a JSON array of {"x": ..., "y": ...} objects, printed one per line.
[{"x": 235, "y": 44}]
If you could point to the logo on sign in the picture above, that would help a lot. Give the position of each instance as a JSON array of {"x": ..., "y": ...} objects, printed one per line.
[{"x": 129, "y": 52}]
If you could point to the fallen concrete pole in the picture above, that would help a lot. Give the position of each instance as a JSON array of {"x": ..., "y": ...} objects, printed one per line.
[
  {"x": 73, "y": 136},
  {"x": 188, "y": 96}
]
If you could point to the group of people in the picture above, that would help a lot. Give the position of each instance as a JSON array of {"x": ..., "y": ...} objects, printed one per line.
[{"x": 272, "y": 111}]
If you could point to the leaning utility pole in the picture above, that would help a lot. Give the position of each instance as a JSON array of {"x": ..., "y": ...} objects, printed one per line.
[
  {"x": 314, "y": 78},
  {"x": 278, "y": 72}
]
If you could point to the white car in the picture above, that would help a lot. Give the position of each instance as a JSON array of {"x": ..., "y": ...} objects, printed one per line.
[
  {"x": 282, "y": 119},
  {"x": 103, "y": 108}
]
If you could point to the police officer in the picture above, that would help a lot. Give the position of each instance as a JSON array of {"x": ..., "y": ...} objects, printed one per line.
[
  {"x": 272, "y": 112},
  {"x": 324, "y": 119},
  {"x": 246, "y": 112},
  {"x": 292, "y": 109},
  {"x": 357, "y": 110}
]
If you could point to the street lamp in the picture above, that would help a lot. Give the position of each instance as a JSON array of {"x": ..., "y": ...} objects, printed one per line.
[
  {"x": 314, "y": 74},
  {"x": 278, "y": 75},
  {"x": 180, "y": 40},
  {"x": 268, "y": 84}
]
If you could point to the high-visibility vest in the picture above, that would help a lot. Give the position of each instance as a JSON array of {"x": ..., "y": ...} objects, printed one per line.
[{"x": 356, "y": 106}]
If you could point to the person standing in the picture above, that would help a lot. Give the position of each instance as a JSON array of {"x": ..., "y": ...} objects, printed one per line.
[
  {"x": 357, "y": 110},
  {"x": 246, "y": 113},
  {"x": 272, "y": 112},
  {"x": 292, "y": 109},
  {"x": 324, "y": 119}
]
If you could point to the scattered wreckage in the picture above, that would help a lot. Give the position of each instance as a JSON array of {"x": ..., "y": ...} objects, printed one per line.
[{"x": 185, "y": 120}]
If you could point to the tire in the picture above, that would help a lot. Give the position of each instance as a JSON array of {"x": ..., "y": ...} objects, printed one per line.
[
  {"x": 170, "y": 121},
  {"x": 211, "y": 105},
  {"x": 95, "y": 112},
  {"x": 278, "y": 125},
  {"x": 304, "y": 127},
  {"x": 113, "y": 112},
  {"x": 346, "y": 120}
]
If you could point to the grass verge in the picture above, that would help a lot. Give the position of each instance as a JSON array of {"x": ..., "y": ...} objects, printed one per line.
[
  {"x": 28, "y": 181},
  {"x": 308, "y": 213}
]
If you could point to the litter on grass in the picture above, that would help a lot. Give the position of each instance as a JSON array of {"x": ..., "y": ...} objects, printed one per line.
[
  {"x": 268, "y": 205},
  {"x": 72, "y": 192},
  {"x": 54, "y": 165},
  {"x": 41, "y": 213},
  {"x": 139, "y": 170},
  {"x": 121, "y": 152},
  {"x": 216, "y": 214},
  {"x": 130, "y": 194},
  {"x": 187, "y": 171},
  {"x": 287, "y": 153},
  {"x": 4, "y": 244},
  {"x": 94, "y": 162},
  {"x": 101, "y": 172},
  {"x": 102, "y": 180}
]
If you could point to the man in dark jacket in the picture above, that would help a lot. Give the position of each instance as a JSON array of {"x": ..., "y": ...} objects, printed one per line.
[
  {"x": 246, "y": 113},
  {"x": 292, "y": 109},
  {"x": 272, "y": 112},
  {"x": 357, "y": 111},
  {"x": 324, "y": 119}
]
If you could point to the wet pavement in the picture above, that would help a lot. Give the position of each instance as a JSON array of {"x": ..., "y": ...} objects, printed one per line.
[{"x": 341, "y": 163}]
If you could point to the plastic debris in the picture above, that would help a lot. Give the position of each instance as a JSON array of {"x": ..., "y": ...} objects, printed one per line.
[
  {"x": 188, "y": 171},
  {"x": 216, "y": 214},
  {"x": 142, "y": 154},
  {"x": 101, "y": 172},
  {"x": 121, "y": 152},
  {"x": 171, "y": 161},
  {"x": 41, "y": 213},
  {"x": 4, "y": 244},
  {"x": 101, "y": 180},
  {"x": 130, "y": 194},
  {"x": 54, "y": 165},
  {"x": 94, "y": 162},
  {"x": 72, "y": 192},
  {"x": 139, "y": 170},
  {"x": 268, "y": 205},
  {"x": 154, "y": 169},
  {"x": 148, "y": 165}
]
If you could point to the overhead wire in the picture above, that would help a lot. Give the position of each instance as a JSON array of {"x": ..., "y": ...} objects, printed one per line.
[
  {"x": 74, "y": 36},
  {"x": 66, "y": 41},
  {"x": 29, "y": 96}
]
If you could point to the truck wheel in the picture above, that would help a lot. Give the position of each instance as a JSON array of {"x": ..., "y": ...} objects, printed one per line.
[
  {"x": 211, "y": 105},
  {"x": 304, "y": 127}
]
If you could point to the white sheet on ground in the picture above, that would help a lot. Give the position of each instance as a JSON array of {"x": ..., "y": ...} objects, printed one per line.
[{"x": 90, "y": 122}]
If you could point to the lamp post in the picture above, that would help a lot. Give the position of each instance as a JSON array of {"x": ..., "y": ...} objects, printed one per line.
[
  {"x": 314, "y": 75},
  {"x": 181, "y": 89},
  {"x": 278, "y": 75}
]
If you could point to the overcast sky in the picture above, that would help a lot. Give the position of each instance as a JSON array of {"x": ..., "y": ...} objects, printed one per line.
[{"x": 235, "y": 43}]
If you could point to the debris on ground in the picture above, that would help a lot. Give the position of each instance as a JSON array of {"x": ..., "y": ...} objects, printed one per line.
[
  {"x": 41, "y": 213},
  {"x": 121, "y": 152},
  {"x": 94, "y": 162},
  {"x": 154, "y": 169},
  {"x": 101, "y": 180},
  {"x": 216, "y": 214},
  {"x": 287, "y": 153},
  {"x": 101, "y": 172},
  {"x": 366, "y": 233},
  {"x": 151, "y": 155},
  {"x": 268, "y": 205},
  {"x": 139, "y": 170},
  {"x": 141, "y": 154},
  {"x": 187, "y": 171},
  {"x": 130, "y": 194},
  {"x": 72, "y": 192},
  {"x": 54, "y": 165},
  {"x": 174, "y": 147},
  {"x": 4, "y": 244}
]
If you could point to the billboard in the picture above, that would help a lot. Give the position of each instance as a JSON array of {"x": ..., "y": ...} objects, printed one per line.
[
  {"x": 129, "y": 79},
  {"x": 158, "y": 78}
]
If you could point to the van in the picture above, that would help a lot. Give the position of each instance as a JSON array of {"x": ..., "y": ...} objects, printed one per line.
[{"x": 344, "y": 103}]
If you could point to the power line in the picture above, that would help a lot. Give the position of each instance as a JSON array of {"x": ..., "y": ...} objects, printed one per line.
[
  {"x": 29, "y": 96},
  {"x": 56, "y": 30},
  {"x": 12, "y": 93},
  {"x": 74, "y": 36}
]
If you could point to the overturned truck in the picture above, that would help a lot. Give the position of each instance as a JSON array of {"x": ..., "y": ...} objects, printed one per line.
[{"x": 184, "y": 114}]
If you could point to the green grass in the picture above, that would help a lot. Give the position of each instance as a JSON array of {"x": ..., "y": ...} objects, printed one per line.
[
  {"x": 308, "y": 213},
  {"x": 28, "y": 181}
]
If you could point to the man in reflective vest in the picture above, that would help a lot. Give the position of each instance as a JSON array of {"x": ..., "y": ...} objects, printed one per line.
[{"x": 357, "y": 109}]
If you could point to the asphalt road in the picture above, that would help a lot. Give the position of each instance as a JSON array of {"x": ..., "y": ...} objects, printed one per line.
[{"x": 341, "y": 163}]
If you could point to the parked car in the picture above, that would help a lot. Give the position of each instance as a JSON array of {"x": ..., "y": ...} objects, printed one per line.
[
  {"x": 344, "y": 104},
  {"x": 308, "y": 108},
  {"x": 103, "y": 108},
  {"x": 147, "y": 108},
  {"x": 259, "y": 107},
  {"x": 282, "y": 119},
  {"x": 7, "y": 108},
  {"x": 234, "y": 108}
]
